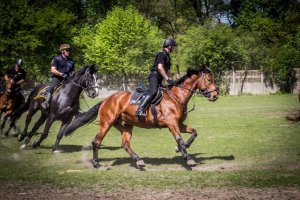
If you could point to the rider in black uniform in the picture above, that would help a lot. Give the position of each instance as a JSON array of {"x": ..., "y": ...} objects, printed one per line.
[
  {"x": 18, "y": 75},
  {"x": 61, "y": 67},
  {"x": 159, "y": 71}
]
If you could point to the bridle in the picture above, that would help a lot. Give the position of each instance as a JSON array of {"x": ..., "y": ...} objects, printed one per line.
[
  {"x": 206, "y": 92},
  {"x": 83, "y": 81}
]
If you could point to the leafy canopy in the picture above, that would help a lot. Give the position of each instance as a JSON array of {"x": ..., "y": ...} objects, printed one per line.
[{"x": 123, "y": 43}]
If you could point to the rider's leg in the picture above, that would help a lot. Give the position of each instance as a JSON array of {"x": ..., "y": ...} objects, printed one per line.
[
  {"x": 153, "y": 88},
  {"x": 49, "y": 91}
]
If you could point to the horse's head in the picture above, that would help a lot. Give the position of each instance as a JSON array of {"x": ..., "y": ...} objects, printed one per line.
[
  {"x": 206, "y": 84},
  {"x": 9, "y": 86},
  {"x": 89, "y": 80}
]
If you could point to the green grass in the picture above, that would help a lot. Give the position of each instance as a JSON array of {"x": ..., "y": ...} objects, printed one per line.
[{"x": 242, "y": 141}]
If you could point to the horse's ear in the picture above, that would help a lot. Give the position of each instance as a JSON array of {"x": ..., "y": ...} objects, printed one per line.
[{"x": 203, "y": 67}]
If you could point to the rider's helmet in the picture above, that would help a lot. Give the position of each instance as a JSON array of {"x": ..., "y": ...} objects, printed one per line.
[
  {"x": 169, "y": 42},
  {"x": 19, "y": 62},
  {"x": 64, "y": 46}
]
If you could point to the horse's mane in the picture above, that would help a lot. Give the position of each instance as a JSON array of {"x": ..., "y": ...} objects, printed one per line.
[
  {"x": 83, "y": 69},
  {"x": 190, "y": 72}
]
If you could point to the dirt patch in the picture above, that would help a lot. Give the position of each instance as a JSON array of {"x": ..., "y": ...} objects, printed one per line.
[{"x": 47, "y": 192}]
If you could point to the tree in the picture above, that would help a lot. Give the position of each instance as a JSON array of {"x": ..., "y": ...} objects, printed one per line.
[{"x": 123, "y": 43}]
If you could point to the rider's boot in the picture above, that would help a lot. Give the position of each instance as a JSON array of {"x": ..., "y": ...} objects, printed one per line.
[
  {"x": 46, "y": 103},
  {"x": 142, "y": 107}
]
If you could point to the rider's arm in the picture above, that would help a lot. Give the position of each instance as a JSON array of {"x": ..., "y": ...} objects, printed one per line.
[
  {"x": 162, "y": 71},
  {"x": 20, "y": 81},
  {"x": 6, "y": 77},
  {"x": 55, "y": 71}
]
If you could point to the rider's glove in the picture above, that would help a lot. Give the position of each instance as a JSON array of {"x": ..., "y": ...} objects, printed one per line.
[
  {"x": 65, "y": 76},
  {"x": 170, "y": 81}
]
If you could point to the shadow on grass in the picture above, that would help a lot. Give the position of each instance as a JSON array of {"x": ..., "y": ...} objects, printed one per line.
[
  {"x": 167, "y": 161},
  {"x": 69, "y": 148}
]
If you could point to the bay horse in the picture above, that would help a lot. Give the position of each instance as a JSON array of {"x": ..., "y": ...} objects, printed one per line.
[
  {"x": 117, "y": 111},
  {"x": 7, "y": 103},
  {"x": 64, "y": 105}
]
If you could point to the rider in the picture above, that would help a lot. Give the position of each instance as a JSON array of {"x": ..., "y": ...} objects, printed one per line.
[
  {"x": 61, "y": 67},
  {"x": 18, "y": 75},
  {"x": 159, "y": 71}
]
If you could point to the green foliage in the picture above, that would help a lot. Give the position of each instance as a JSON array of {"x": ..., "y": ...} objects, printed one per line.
[
  {"x": 216, "y": 46},
  {"x": 123, "y": 43},
  {"x": 34, "y": 35}
]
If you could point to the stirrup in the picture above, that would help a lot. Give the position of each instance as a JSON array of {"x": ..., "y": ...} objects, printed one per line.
[{"x": 140, "y": 113}]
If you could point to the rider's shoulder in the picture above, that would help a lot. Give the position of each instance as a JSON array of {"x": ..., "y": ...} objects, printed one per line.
[{"x": 57, "y": 57}]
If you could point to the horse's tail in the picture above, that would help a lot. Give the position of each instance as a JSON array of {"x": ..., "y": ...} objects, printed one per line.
[{"x": 82, "y": 119}]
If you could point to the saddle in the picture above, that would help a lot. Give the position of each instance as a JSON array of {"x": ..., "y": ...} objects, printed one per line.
[
  {"x": 42, "y": 91},
  {"x": 138, "y": 95}
]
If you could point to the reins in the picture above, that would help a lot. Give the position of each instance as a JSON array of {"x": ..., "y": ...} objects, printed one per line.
[
  {"x": 84, "y": 88},
  {"x": 205, "y": 93}
]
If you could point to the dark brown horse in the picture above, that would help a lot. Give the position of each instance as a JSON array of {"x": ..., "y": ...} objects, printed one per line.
[
  {"x": 7, "y": 103},
  {"x": 117, "y": 111}
]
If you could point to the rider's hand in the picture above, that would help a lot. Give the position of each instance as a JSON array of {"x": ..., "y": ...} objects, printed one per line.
[
  {"x": 64, "y": 75},
  {"x": 170, "y": 81}
]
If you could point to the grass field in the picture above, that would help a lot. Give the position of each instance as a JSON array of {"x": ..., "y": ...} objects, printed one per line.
[{"x": 244, "y": 144}]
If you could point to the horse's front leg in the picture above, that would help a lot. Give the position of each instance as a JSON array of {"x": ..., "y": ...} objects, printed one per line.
[
  {"x": 60, "y": 135},
  {"x": 187, "y": 129},
  {"x": 181, "y": 145},
  {"x": 44, "y": 135},
  {"x": 4, "y": 121}
]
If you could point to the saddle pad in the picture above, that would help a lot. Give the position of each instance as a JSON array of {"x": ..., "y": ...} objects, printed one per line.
[
  {"x": 42, "y": 92},
  {"x": 136, "y": 97}
]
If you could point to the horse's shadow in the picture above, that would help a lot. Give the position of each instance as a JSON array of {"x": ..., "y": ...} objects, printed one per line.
[
  {"x": 67, "y": 148},
  {"x": 167, "y": 161},
  {"x": 117, "y": 161}
]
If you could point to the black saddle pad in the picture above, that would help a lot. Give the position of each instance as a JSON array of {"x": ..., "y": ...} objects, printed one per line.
[{"x": 138, "y": 95}]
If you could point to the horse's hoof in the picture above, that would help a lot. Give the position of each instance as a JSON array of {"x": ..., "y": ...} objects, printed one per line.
[
  {"x": 56, "y": 151},
  {"x": 140, "y": 163},
  {"x": 96, "y": 165},
  {"x": 21, "y": 137},
  {"x": 35, "y": 144},
  {"x": 191, "y": 162},
  {"x": 23, "y": 146},
  {"x": 177, "y": 150}
]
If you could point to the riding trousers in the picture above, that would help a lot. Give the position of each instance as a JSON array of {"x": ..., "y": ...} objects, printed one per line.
[
  {"x": 155, "y": 80},
  {"x": 54, "y": 82}
]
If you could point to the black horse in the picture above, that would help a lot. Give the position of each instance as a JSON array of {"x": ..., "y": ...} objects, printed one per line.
[{"x": 64, "y": 105}]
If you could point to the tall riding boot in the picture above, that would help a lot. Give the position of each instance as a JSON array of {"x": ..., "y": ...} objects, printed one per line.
[
  {"x": 142, "y": 107},
  {"x": 46, "y": 103}
]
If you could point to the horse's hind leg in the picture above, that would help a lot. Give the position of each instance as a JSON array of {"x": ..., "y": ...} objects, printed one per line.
[
  {"x": 126, "y": 132},
  {"x": 3, "y": 123},
  {"x": 30, "y": 113},
  {"x": 97, "y": 142}
]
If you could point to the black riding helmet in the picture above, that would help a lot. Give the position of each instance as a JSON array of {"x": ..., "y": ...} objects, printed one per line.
[{"x": 169, "y": 42}]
